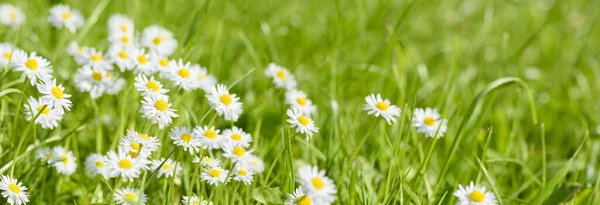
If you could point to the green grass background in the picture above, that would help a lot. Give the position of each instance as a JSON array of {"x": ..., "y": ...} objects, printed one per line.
[{"x": 437, "y": 54}]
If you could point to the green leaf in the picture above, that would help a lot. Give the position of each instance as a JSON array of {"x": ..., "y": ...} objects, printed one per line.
[{"x": 268, "y": 195}]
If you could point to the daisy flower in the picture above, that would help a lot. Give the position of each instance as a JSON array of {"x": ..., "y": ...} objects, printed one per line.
[
  {"x": 121, "y": 57},
  {"x": 77, "y": 51},
  {"x": 119, "y": 23},
  {"x": 193, "y": 200},
  {"x": 95, "y": 164},
  {"x": 181, "y": 74},
  {"x": 127, "y": 196},
  {"x": 142, "y": 62},
  {"x": 209, "y": 137},
  {"x": 303, "y": 123},
  {"x": 300, "y": 197},
  {"x": 121, "y": 164},
  {"x": 159, "y": 40},
  {"x": 63, "y": 16},
  {"x": 282, "y": 78},
  {"x": 158, "y": 110},
  {"x": 214, "y": 175},
  {"x": 378, "y": 106},
  {"x": 13, "y": 190},
  {"x": 235, "y": 153},
  {"x": 254, "y": 164},
  {"x": 6, "y": 51},
  {"x": 54, "y": 94},
  {"x": 92, "y": 80},
  {"x": 317, "y": 185},
  {"x": 428, "y": 121},
  {"x": 227, "y": 105},
  {"x": 11, "y": 16},
  {"x": 134, "y": 147},
  {"x": 48, "y": 119},
  {"x": 237, "y": 137},
  {"x": 168, "y": 169},
  {"x": 474, "y": 195},
  {"x": 297, "y": 99},
  {"x": 161, "y": 64},
  {"x": 243, "y": 174},
  {"x": 182, "y": 136},
  {"x": 65, "y": 163},
  {"x": 115, "y": 84},
  {"x": 94, "y": 58},
  {"x": 205, "y": 81},
  {"x": 207, "y": 161},
  {"x": 45, "y": 154},
  {"x": 149, "y": 86},
  {"x": 32, "y": 66},
  {"x": 149, "y": 142}
]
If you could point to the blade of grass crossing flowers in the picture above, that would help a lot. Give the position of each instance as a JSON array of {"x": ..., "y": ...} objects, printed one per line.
[
  {"x": 547, "y": 190},
  {"x": 490, "y": 180},
  {"x": 490, "y": 88},
  {"x": 484, "y": 154}
]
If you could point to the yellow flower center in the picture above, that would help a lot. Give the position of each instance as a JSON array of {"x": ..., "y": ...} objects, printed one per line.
[
  {"x": 96, "y": 57},
  {"x": 123, "y": 54},
  {"x": 57, "y": 92},
  {"x": 187, "y": 138},
  {"x": 202, "y": 76},
  {"x": 125, "y": 164},
  {"x": 163, "y": 62},
  {"x": 67, "y": 15},
  {"x": 133, "y": 153},
  {"x": 303, "y": 120},
  {"x": 210, "y": 134},
  {"x": 226, "y": 99},
  {"x": 12, "y": 15},
  {"x": 239, "y": 151},
  {"x": 97, "y": 76},
  {"x": 477, "y": 196},
  {"x": 142, "y": 59},
  {"x": 429, "y": 121},
  {"x": 214, "y": 172},
  {"x": 14, "y": 188},
  {"x": 64, "y": 159},
  {"x": 242, "y": 172},
  {"x": 280, "y": 74},
  {"x": 382, "y": 106},
  {"x": 123, "y": 28},
  {"x": 131, "y": 196},
  {"x": 166, "y": 166},
  {"x": 161, "y": 105},
  {"x": 143, "y": 136},
  {"x": 135, "y": 146},
  {"x": 7, "y": 54},
  {"x": 45, "y": 111},
  {"x": 207, "y": 159},
  {"x": 184, "y": 73},
  {"x": 99, "y": 164},
  {"x": 301, "y": 101},
  {"x": 156, "y": 41},
  {"x": 318, "y": 183},
  {"x": 32, "y": 64},
  {"x": 125, "y": 40},
  {"x": 153, "y": 85},
  {"x": 304, "y": 200},
  {"x": 49, "y": 156},
  {"x": 236, "y": 137}
]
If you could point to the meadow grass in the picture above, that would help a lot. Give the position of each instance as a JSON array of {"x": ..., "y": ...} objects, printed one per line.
[{"x": 516, "y": 81}]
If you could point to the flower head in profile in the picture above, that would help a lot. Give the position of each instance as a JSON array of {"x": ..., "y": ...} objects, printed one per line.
[
  {"x": 474, "y": 195},
  {"x": 226, "y": 104},
  {"x": 316, "y": 184},
  {"x": 63, "y": 16},
  {"x": 158, "y": 110},
  {"x": 302, "y": 122},
  {"x": 428, "y": 121},
  {"x": 13, "y": 190},
  {"x": 128, "y": 196},
  {"x": 11, "y": 16},
  {"x": 381, "y": 107},
  {"x": 54, "y": 94},
  {"x": 33, "y": 66},
  {"x": 282, "y": 78}
]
